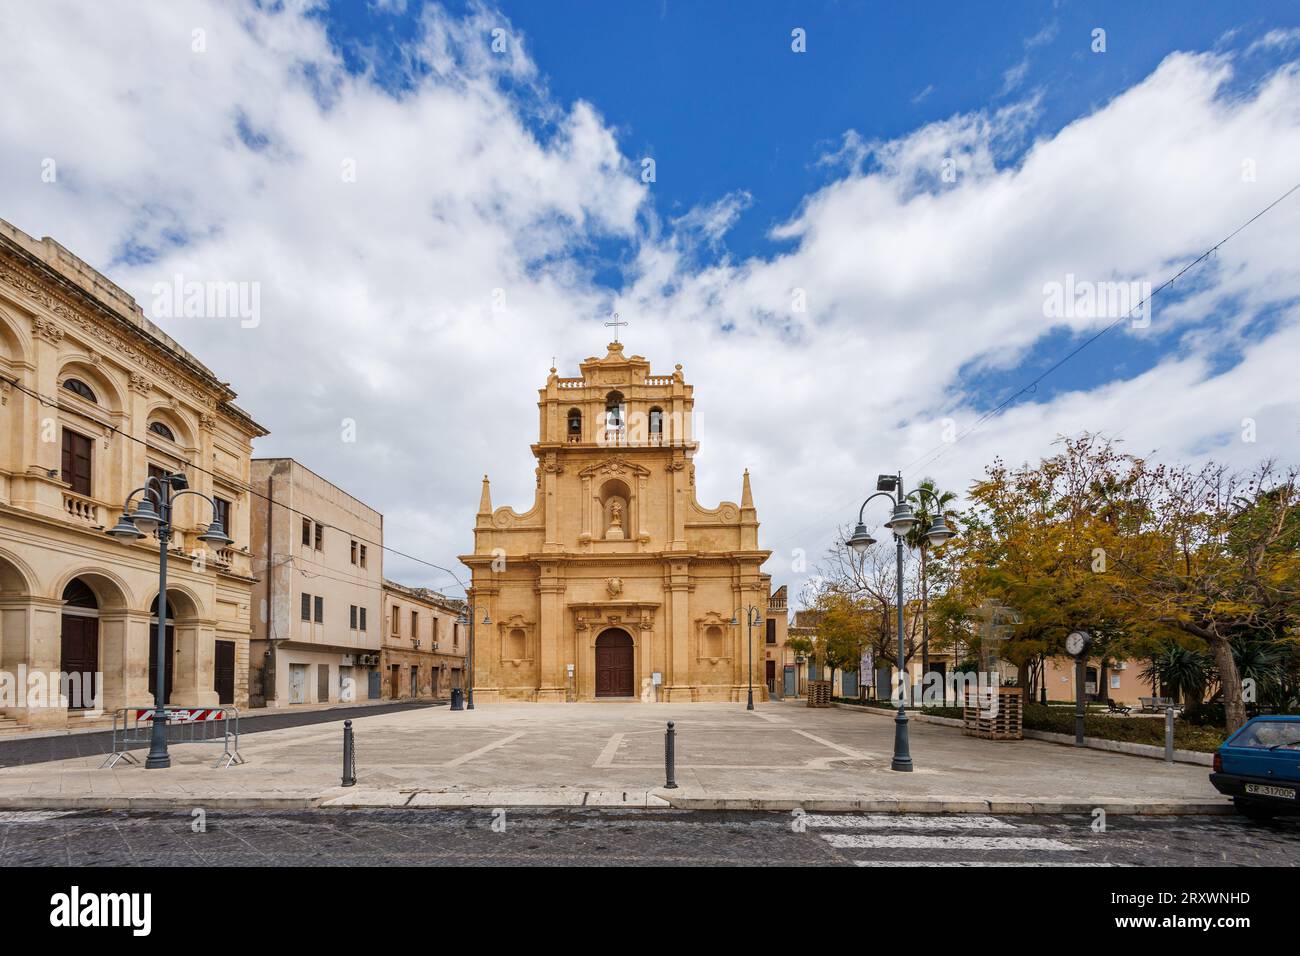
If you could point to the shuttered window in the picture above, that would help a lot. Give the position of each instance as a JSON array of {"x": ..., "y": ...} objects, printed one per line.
[{"x": 76, "y": 461}]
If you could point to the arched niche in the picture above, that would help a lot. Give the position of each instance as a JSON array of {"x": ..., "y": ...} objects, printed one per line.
[{"x": 616, "y": 515}]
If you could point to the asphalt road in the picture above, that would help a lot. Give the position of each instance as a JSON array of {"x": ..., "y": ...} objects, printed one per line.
[
  {"x": 25, "y": 750},
  {"x": 631, "y": 838}
]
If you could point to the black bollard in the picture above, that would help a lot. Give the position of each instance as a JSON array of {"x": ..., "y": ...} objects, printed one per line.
[
  {"x": 670, "y": 757},
  {"x": 349, "y": 756}
]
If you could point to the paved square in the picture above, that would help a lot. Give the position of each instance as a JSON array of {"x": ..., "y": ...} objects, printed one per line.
[{"x": 780, "y": 755}]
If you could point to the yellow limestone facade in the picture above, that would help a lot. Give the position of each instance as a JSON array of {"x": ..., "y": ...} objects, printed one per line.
[
  {"x": 617, "y": 582},
  {"x": 93, "y": 399}
]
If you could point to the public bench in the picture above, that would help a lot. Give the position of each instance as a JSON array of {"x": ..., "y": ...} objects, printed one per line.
[{"x": 1153, "y": 705}]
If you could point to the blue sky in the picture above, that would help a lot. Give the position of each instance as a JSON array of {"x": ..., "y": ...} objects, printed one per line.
[
  {"x": 712, "y": 92},
  {"x": 430, "y": 221},
  {"x": 715, "y": 97}
]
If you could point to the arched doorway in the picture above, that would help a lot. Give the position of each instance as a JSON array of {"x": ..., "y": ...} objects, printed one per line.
[
  {"x": 615, "y": 672},
  {"x": 169, "y": 676},
  {"x": 79, "y": 645}
]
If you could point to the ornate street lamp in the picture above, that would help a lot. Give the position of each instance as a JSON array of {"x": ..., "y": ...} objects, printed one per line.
[
  {"x": 753, "y": 617},
  {"x": 901, "y": 521},
  {"x": 467, "y": 617},
  {"x": 154, "y": 515}
]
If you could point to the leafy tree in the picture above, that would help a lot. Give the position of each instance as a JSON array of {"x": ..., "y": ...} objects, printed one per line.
[
  {"x": 1034, "y": 540},
  {"x": 1217, "y": 557}
]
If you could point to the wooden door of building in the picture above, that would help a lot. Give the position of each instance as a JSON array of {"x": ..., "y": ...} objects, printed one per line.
[
  {"x": 223, "y": 672},
  {"x": 615, "y": 674},
  {"x": 169, "y": 675},
  {"x": 79, "y": 654}
]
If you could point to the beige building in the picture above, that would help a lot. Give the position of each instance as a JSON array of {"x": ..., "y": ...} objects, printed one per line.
[
  {"x": 1120, "y": 681},
  {"x": 616, "y": 582},
  {"x": 93, "y": 399},
  {"x": 777, "y": 658},
  {"x": 317, "y": 625},
  {"x": 423, "y": 649}
]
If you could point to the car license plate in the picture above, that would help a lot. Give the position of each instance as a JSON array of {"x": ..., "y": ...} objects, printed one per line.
[{"x": 1259, "y": 789}]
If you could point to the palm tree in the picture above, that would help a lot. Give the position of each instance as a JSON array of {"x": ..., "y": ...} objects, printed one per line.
[
  {"x": 922, "y": 504},
  {"x": 1182, "y": 673},
  {"x": 1258, "y": 661}
]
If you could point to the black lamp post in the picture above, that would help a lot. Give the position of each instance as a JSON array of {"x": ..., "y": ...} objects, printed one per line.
[
  {"x": 162, "y": 491},
  {"x": 467, "y": 617},
  {"x": 753, "y": 615},
  {"x": 900, "y": 523}
]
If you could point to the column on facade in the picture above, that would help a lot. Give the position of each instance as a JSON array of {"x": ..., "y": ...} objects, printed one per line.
[
  {"x": 135, "y": 460},
  {"x": 43, "y": 446},
  {"x": 586, "y": 505},
  {"x": 550, "y": 504},
  {"x": 551, "y": 676},
  {"x": 679, "y": 631},
  {"x": 33, "y": 645}
]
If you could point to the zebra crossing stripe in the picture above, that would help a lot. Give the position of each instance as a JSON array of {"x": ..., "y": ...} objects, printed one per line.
[
  {"x": 910, "y": 821},
  {"x": 32, "y": 816},
  {"x": 908, "y": 841},
  {"x": 910, "y": 863}
]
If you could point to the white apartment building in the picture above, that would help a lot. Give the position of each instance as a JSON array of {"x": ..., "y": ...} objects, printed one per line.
[{"x": 318, "y": 606}]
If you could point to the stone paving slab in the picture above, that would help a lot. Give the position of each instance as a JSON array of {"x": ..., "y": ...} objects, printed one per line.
[{"x": 779, "y": 756}]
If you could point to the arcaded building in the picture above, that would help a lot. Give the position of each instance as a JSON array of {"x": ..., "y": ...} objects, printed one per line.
[
  {"x": 95, "y": 399},
  {"x": 617, "y": 582}
]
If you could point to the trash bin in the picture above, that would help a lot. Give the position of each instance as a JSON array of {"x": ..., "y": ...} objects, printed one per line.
[{"x": 457, "y": 699}]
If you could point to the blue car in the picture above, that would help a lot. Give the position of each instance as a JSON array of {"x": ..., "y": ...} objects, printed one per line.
[{"x": 1259, "y": 767}]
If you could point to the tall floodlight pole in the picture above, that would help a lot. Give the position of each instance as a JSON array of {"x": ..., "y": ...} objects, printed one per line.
[
  {"x": 162, "y": 491},
  {"x": 753, "y": 616},
  {"x": 900, "y": 523}
]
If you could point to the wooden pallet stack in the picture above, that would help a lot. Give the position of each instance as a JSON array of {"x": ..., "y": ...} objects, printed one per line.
[
  {"x": 1006, "y": 723},
  {"x": 819, "y": 693}
]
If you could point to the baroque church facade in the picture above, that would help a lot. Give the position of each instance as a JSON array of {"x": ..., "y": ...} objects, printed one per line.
[{"x": 617, "y": 583}]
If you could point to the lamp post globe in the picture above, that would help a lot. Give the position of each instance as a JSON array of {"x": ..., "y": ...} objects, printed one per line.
[
  {"x": 861, "y": 539},
  {"x": 132, "y": 527},
  {"x": 939, "y": 532},
  {"x": 902, "y": 521},
  {"x": 145, "y": 517}
]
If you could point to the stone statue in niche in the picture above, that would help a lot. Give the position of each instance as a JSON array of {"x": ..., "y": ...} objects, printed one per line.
[{"x": 615, "y": 530}]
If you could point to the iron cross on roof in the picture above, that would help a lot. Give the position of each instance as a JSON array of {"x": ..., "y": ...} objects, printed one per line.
[{"x": 614, "y": 324}]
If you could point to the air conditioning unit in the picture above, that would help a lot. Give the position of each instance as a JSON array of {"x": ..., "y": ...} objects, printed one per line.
[
  {"x": 1120, "y": 666},
  {"x": 369, "y": 660},
  {"x": 415, "y": 642}
]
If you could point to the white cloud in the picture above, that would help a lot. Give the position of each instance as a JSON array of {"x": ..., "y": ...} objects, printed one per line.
[
  {"x": 377, "y": 295},
  {"x": 1014, "y": 76}
]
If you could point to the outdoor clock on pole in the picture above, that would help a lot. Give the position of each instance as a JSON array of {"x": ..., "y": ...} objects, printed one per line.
[{"x": 1077, "y": 643}]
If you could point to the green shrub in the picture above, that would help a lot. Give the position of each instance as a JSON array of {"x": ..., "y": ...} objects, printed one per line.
[
  {"x": 1137, "y": 730},
  {"x": 955, "y": 712}
]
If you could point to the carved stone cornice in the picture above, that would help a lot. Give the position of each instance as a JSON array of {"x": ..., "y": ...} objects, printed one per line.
[
  {"x": 45, "y": 329},
  {"x": 97, "y": 328},
  {"x": 615, "y": 468},
  {"x": 140, "y": 384}
]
